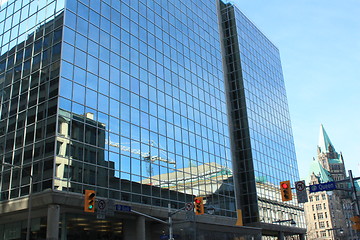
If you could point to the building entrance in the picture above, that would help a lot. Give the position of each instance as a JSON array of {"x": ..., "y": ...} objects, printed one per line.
[{"x": 80, "y": 227}]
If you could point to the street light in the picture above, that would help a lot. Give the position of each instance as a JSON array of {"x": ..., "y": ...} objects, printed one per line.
[{"x": 28, "y": 226}]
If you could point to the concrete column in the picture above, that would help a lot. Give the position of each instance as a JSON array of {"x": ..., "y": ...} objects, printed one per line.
[
  {"x": 281, "y": 236},
  {"x": 140, "y": 228},
  {"x": 129, "y": 228},
  {"x": 63, "y": 227},
  {"x": 53, "y": 217}
]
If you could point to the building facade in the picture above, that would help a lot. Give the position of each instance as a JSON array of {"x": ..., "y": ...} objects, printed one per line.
[
  {"x": 132, "y": 99},
  {"x": 263, "y": 144},
  {"x": 328, "y": 213}
]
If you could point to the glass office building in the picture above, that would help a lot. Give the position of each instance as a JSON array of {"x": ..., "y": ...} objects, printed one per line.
[
  {"x": 262, "y": 136},
  {"x": 128, "y": 98}
]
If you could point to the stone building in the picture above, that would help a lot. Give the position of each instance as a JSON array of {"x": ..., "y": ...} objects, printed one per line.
[{"x": 328, "y": 213}]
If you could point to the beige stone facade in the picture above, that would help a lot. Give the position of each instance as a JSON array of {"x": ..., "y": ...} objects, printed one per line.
[{"x": 328, "y": 213}]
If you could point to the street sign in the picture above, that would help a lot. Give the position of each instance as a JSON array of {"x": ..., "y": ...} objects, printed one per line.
[
  {"x": 101, "y": 209},
  {"x": 101, "y": 205},
  {"x": 329, "y": 186},
  {"x": 189, "y": 206},
  {"x": 301, "y": 191},
  {"x": 167, "y": 237},
  {"x": 122, "y": 208},
  {"x": 300, "y": 185}
]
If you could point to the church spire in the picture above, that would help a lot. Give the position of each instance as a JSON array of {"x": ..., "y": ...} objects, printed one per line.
[{"x": 325, "y": 144}]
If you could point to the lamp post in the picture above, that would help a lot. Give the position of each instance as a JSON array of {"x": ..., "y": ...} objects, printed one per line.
[{"x": 28, "y": 226}]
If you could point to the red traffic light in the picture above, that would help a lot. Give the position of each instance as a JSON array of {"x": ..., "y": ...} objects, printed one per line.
[
  {"x": 199, "y": 205},
  {"x": 285, "y": 190}
]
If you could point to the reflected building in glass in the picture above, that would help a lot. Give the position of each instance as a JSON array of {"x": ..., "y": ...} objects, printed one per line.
[{"x": 129, "y": 98}]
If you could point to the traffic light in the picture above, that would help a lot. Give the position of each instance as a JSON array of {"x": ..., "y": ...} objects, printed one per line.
[
  {"x": 356, "y": 223},
  {"x": 285, "y": 189},
  {"x": 199, "y": 205},
  {"x": 89, "y": 201}
]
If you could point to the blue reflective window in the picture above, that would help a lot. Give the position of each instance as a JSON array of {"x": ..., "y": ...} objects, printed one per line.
[
  {"x": 80, "y": 58},
  {"x": 91, "y": 98},
  {"x": 92, "y": 64},
  {"x": 66, "y": 88},
  {"x": 93, "y": 48},
  {"x": 94, "y": 33},
  {"x": 78, "y": 93},
  {"x": 104, "y": 86},
  {"x": 70, "y": 19},
  {"x": 83, "y": 11},
  {"x": 92, "y": 81},
  {"x": 81, "y": 42}
]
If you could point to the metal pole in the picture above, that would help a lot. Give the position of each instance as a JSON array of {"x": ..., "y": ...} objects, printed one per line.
[
  {"x": 354, "y": 195},
  {"x": 281, "y": 235},
  {"x": 29, "y": 212},
  {"x": 170, "y": 223}
]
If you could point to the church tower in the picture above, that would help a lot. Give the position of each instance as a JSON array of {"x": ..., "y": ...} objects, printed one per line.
[
  {"x": 327, "y": 213},
  {"x": 329, "y": 159}
]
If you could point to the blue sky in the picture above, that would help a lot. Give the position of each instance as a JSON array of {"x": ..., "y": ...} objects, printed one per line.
[{"x": 319, "y": 43}]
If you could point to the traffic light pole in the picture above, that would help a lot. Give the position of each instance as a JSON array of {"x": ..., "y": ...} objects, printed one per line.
[
  {"x": 169, "y": 222},
  {"x": 171, "y": 230},
  {"x": 171, "y": 237},
  {"x": 354, "y": 195}
]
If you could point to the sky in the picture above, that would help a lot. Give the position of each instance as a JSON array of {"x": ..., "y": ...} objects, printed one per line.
[{"x": 319, "y": 43}]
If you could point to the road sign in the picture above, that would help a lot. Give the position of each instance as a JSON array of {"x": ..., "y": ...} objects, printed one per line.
[
  {"x": 300, "y": 185},
  {"x": 189, "y": 206},
  {"x": 329, "y": 186},
  {"x": 122, "y": 208},
  {"x": 101, "y": 204},
  {"x": 167, "y": 237},
  {"x": 101, "y": 209},
  {"x": 301, "y": 191}
]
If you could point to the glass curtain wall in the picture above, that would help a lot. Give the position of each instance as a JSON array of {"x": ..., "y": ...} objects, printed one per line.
[
  {"x": 30, "y": 52},
  {"x": 263, "y": 142},
  {"x": 142, "y": 107}
]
